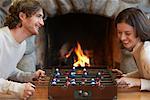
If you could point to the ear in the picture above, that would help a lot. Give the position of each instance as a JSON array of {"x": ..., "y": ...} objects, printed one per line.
[{"x": 22, "y": 16}]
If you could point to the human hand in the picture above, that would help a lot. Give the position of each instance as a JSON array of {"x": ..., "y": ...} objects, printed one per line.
[
  {"x": 28, "y": 90},
  {"x": 126, "y": 82},
  {"x": 118, "y": 73},
  {"x": 39, "y": 74}
]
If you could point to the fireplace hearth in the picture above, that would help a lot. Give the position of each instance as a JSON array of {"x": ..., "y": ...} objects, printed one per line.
[{"x": 93, "y": 32}]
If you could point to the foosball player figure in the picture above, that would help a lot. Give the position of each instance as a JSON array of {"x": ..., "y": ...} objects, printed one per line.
[
  {"x": 67, "y": 81},
  {"x": 54, "y": 82},
  {"x": 98, "y": 74},
  {"x": 85, "y": 74},
  {"x": 83, "y": 81},
  {"x": 84, "y": 70},
  {"x": 80, "y": 92},
  {"x": 98, "y": 83},
  {"x": 73, "y": 73},
  {"x": 93, "y": 81},
  {"x": 57, "y": 73},
  {"x": 73, "y": 82}
]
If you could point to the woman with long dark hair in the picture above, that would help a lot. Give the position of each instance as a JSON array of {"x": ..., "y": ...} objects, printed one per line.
[{"x": 133, "y": 30}]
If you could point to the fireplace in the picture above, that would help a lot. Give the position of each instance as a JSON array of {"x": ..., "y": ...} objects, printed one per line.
[
  {"x": 109, "y": 52},
  {"x": 94, "y": 33}
]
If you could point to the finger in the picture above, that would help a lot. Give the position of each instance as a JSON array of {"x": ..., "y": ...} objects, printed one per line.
[
  {"x": 118, "y": 71},
  {"x": 42, "y": 74},
  {"x": 122, "y": 80},
  {"x": 116, "y": 79},
  {"x": 130, "y": 85},
  {"x": 31, "y": 85},
  {"x": 119, "y": 81},
  {"x": 39, "y": 73},
  {"x": 30, "y": 93},
  {"x": 123, "y": 75},
  {"x": 123, "y": 86},
  {"x": 30, "y": 88},
  {"x": 25, "y": 98}
]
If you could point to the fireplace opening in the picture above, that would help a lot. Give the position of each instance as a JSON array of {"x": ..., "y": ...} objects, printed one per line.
[{"x": 94, "y": 33}]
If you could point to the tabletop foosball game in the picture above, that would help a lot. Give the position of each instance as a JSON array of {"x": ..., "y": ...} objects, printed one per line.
[{"x": 82, "y": 83}]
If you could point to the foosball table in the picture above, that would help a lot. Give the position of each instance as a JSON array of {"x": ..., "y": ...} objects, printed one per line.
[{"x": 82, "y": 83}]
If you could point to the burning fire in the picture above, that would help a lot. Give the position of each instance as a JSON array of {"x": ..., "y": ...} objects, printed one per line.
[{"x": 82, "y": 60}]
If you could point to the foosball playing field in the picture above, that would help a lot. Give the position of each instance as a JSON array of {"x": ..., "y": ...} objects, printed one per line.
[{"x": 82, "y": 83}]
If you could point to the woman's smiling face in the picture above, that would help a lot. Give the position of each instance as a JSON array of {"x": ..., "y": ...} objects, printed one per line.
[{"x": 127, "y": 35}]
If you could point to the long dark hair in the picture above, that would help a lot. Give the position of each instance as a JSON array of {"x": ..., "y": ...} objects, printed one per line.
[
  {"x": 29, "y": 7},
  {"x": 136, "y": 18}
]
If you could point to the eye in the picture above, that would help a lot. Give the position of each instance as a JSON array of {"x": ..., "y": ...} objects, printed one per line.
[
  {"x": 39, "y": 16},
  {"x": 119, "y": 33},
  {"x": 128, "y": 33}
]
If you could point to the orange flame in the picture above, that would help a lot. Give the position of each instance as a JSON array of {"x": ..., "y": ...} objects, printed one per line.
[{"x": 82, "y": 60}]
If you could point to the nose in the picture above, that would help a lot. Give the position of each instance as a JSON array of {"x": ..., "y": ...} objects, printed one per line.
[
  {"x": 42, "y": 22},
  {"x": 122, "y": 37}
]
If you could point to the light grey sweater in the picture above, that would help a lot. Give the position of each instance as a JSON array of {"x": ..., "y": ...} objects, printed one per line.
[{"x": 10, "y": 54}]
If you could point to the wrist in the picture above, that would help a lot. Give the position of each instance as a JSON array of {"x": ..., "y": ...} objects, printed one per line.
[
  {"x": 138, "y": 82},
  {"x": 34, "y": 77}
]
